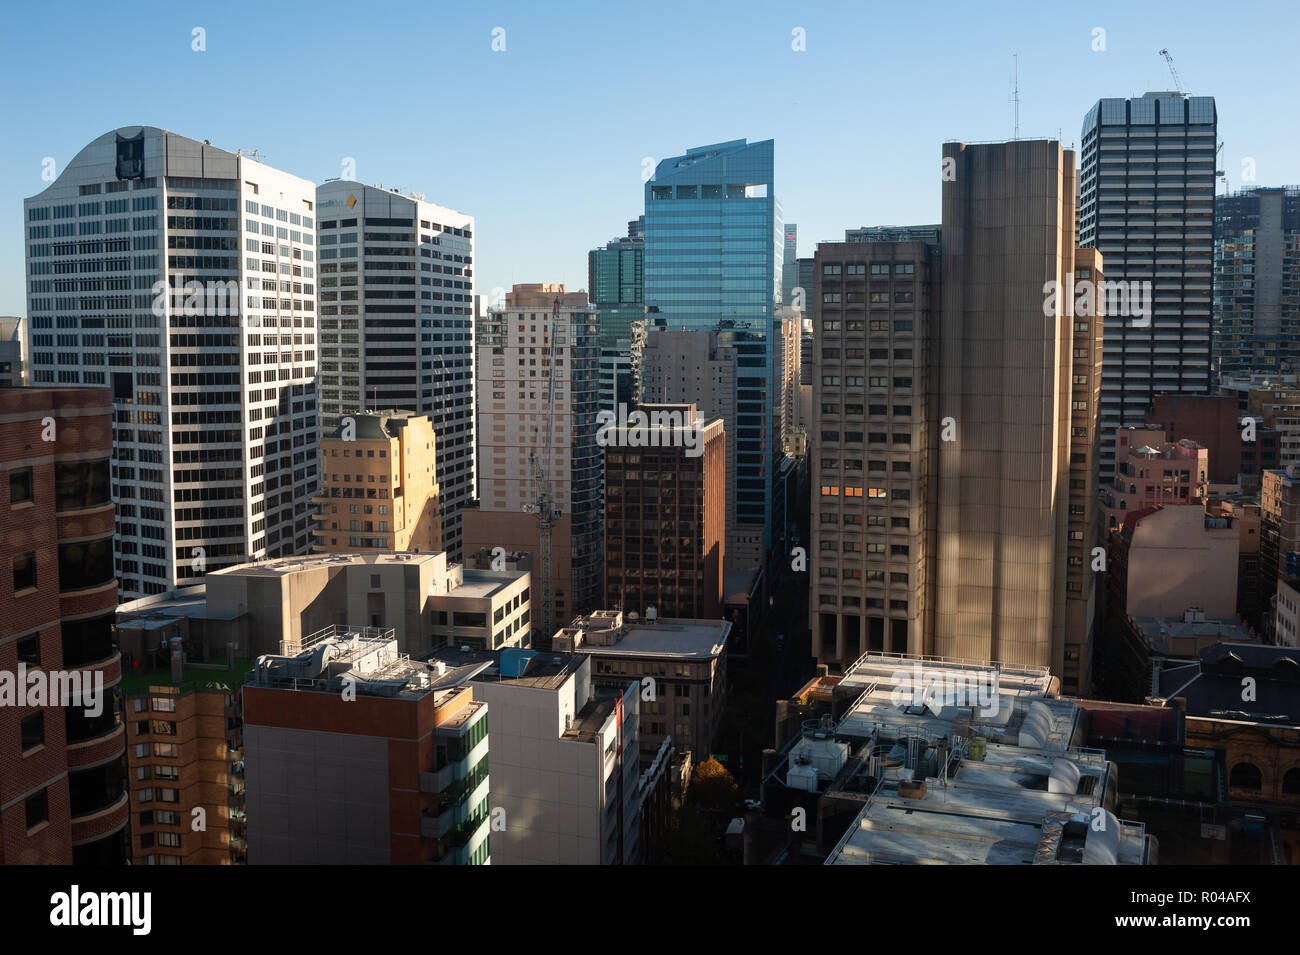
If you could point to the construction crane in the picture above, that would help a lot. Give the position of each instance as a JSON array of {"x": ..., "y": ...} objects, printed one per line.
[
  {"x": 1173, "y": 71},
  {"x": 547, "y": 512}
]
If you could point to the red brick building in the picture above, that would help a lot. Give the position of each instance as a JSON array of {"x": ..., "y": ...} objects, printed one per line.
[
  {"x": 63, "y": 796},
  {"x": 1213, "y": 421}
]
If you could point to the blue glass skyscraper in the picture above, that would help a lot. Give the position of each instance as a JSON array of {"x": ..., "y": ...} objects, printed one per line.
[{"x": 713, "y": 261}]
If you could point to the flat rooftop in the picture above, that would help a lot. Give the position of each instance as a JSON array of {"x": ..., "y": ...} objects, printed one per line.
[
  {"x": 192, "y": 678},
  {"x": 483, "y": 584},
  {"x": 544, "y": 671},
  {"x": 1009, "y": 808},
  {"x": 1159, "y": 631},
  {"x": 285, "y": 566},
  {"x": 669, "y": 637},
  {"x": 367, "y": 658},
  {"x": 922, "y": 695},
  {"x": 589, "y": 720}
]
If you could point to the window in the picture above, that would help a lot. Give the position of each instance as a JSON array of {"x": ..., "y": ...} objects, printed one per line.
[
  {"x": 24, "y": 571},
  {"x": 38, "y": 809},
  {"x": 33, "y": 731},
  {"x": 20, "y": 485},
  {"x": 29, "y": 650}
]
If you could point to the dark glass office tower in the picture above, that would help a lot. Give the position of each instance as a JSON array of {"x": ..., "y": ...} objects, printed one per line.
[{"x": 1146, "y": 201}]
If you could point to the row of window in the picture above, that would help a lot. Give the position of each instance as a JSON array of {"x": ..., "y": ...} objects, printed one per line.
[{"x": 877, "y": 268}]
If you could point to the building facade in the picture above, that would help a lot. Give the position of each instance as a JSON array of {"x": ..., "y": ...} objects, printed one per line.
[
  {"x": 194, "y": 300},
  {"x": 394, "y": 772},
  {"x": 714, "y": 256},
  {"x": 63, "y": 795},
  {"x": 1146, "y": 202},
  {"x": 565, "y": 759},
  {"x": 678, "y": 366},
  {"x": 616, "y": 287},
  {"x": 379, "y": 485},
  {"x": 538, "y": 401},
  {"x": 874, "y": 307},
  {"x": 678, "y": 665},
  {"x": 1257, "y": 281},
  {"x": 665, "y": 515},
  {"x": 1014, "y": 490},
  {"x": 1151, "y": 471},
  {"x": 396, "y": 296}
]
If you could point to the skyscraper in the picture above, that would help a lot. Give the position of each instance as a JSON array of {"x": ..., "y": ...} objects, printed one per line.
[
  {"x": 665, "y": 514},
  {"x": 789, "y": 262},
  {"x": 1257, "y": 282},
  {"x": 954, "y": 426},
  {"x": 397, "y": 276},
  {"x": 183, "y": 276},
  {"x": 713, "y": 261},
  {"x": 695, "y": 367},
  {"x": 537, "y": 374},
  {"x": 1146, "y": 201},
  {"x": 616, "y": 286},
  {"x": 1014, "y": 489},
  {"x": 875, "y": 309}
]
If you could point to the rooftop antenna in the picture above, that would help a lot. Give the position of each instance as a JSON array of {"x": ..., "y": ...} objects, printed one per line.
[{"x": 1015, "y": 91}]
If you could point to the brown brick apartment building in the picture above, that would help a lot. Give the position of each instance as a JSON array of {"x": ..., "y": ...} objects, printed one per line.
[{"x": 63, "y": 798}]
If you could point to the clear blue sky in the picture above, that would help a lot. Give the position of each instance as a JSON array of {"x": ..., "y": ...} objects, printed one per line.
[{"x": 543, "y": 143}]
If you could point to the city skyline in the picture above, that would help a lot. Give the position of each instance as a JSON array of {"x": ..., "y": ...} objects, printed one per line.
[
  {"x": 838, "y": 177},
  {"x": 818, "y": 434}
]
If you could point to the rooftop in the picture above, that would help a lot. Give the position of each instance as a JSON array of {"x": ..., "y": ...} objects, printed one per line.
[
  {"x": 1212, "y": 686},
  {"x": 366, "y": 659},
  {"x": 1008, "y": 808},
  {"x": 371, "y": 425},
  {"x": 286, "y": 566},
  {"x": 193, "y": 677},
  {"x": 1161, "y": 632},
  {"x": 518, "y": 667},
  {"x": 665, "y": 637},
  {"x": 911, "y": 694}
]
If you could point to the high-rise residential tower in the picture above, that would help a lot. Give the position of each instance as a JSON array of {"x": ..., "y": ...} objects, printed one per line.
[
  {"x": 1146, "y": 201},
  {"x": 63, "y": 793},
  {"x": 182, "y": 276},
  {"x": 1257, "y": 282},
  {"x": 537, "y": 360},
  {"x": 396, "y": 296},
  {"x": 713, "y": 261}
]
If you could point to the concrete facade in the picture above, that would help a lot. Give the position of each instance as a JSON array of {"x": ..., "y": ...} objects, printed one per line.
[
  {"x": 396, "y": 322},
  {"x": 393, "y": 456}
]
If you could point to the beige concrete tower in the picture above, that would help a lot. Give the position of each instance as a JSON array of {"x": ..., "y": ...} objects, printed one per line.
[{"x": 1005, "y": 348}]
